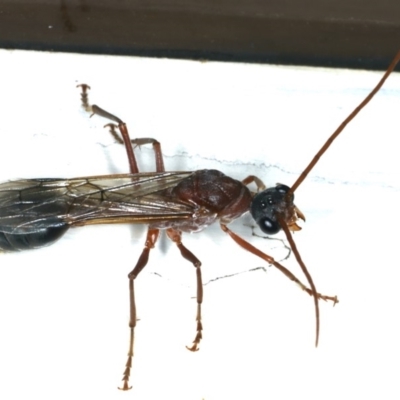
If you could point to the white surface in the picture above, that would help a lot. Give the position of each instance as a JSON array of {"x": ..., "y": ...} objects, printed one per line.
[{"x": 64, "y": 309}]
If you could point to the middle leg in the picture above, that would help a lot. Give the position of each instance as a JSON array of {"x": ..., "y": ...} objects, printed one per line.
[{"x": 176, "y": 237}]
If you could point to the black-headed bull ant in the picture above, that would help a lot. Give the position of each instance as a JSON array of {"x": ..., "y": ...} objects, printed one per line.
[{"x": 37, "y": 212}]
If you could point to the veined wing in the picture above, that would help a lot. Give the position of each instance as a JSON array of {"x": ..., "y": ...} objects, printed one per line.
[{"x": 31, "y": 205}]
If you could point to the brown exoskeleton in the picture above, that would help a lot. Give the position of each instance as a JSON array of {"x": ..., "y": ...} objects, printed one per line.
[{"x": 37, "y": 212}]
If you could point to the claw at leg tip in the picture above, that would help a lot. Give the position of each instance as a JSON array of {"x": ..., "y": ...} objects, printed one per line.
[{"x": 125, "y": 387}]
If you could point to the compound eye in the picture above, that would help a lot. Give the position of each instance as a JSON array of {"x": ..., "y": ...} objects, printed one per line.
[{"x": 268, "y": 226}]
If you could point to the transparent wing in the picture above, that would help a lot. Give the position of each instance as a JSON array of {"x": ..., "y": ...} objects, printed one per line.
[{"x": 27, "y": 206}]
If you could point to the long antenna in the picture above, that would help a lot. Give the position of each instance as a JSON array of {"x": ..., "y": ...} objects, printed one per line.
[{"x": 335, "y": 134}]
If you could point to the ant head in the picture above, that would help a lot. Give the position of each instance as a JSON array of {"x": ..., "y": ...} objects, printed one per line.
[{"x": 272, "y": 204}]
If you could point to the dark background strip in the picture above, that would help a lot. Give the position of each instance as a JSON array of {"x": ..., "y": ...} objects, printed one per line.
[{"x": 337, "y": 33}]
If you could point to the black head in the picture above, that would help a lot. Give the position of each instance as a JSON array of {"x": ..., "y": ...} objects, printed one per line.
[{"x": 267, "y": 205}]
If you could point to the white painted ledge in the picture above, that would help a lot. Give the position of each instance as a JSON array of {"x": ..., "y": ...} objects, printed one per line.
[{"x": 64, "y": 309}]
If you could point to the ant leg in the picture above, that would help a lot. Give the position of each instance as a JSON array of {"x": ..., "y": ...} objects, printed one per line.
[
  {"x": 151, "y": 239},
  {"x": 247, "y": 246},
  {"x": 157, "y": 151},
  {"x": 152, "y": 234},
  {"x": 252, "y": 178},
  {"x": 123, "y": 137},
  {"x": 121, "y": 126},
  {"x": 140, "y": 142},
  {"x": 270, "y": 260},
  {"x": 85, "y": 97},
  {"x": 176, "y": 237}
]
